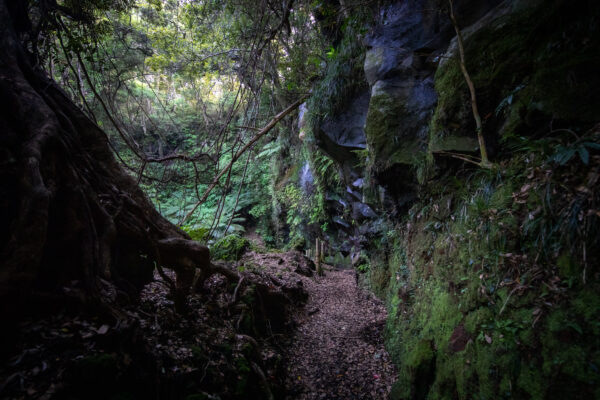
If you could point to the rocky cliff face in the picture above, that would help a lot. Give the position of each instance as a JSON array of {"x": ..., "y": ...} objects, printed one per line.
[
  {"x": 415, "y": 105},
  {"x": 391, "y": 117},
  {"x": 463, "y": 257},
  {"x": 403, "y": 52}
]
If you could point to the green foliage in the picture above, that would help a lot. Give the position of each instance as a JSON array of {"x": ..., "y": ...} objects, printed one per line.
[
  {"x": 296, "y": 243},
  {"x": 491, "y": 251},
  {"x": 363, "y": 157},
  {"x": 178, "y": 77},
  {"x": 343, "y": 76},
  {"x": 292, "y": 197},
  {"x": 324, "y": 169},
  {"x": 229, "y": 248},
  {"x": 564, "y": 154},
  {"x": 362, "y": 268},
  {"x": 198, "y": 234}
]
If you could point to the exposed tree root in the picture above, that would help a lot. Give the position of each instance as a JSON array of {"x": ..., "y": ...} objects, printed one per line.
[{"x": 70, "y": 211}]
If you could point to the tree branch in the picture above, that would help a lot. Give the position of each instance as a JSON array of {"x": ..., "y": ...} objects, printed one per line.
[
  {"x": 461, "y": 50},
  {"x": 237, "y": 155}
]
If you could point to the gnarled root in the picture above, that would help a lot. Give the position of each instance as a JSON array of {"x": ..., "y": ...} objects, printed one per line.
[{"x": 68, "y": 211}]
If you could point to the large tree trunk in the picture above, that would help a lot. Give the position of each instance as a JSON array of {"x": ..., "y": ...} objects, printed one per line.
[{"x": 68, "y": 210}]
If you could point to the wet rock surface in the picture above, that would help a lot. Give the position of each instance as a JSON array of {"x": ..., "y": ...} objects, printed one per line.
[{"x": 343, "y": 133}]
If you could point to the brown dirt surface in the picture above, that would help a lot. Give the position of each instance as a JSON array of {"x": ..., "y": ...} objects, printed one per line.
[
  {"x": 250, "y": 339},
  {"x": 337, "y": 351}
]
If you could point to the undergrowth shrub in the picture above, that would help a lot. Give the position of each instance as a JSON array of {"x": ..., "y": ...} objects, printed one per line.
[{"x": 229, "y": 248}]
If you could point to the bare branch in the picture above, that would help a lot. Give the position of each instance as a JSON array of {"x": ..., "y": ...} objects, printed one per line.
[
  {"x": 461, "y": 50},
  {"x": 248, "y": 145}
]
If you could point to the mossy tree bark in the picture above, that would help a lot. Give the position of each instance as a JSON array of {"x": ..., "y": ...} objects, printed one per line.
[{"x": 68, "y": 211}]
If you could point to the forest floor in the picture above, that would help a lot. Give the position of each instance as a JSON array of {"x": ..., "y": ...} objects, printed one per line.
[
  {"x": 280, "y": 332},
  {"x": 337, "y": 351}
]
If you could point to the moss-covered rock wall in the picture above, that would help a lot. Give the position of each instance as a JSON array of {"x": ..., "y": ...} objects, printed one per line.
[
  {"x": 490, "y": 276},
  {"x": 489, "y": 291}
]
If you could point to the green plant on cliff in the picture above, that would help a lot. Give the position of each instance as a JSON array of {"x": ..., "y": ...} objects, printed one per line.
[
  {"x": 485, "y": 162},
  {"x": 478, "y": 308},
  {"x": 343, "y": 75}
]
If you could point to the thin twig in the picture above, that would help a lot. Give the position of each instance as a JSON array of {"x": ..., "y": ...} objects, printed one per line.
[
  {"x": 461, "y": 51},
  {"x": 248, "y": 145},
  {"x": 508, "y": 298},
  {"x": 235, "y": 292},
  {"x": 263, "y": 378},
  {"x": 459, "y": 156}
]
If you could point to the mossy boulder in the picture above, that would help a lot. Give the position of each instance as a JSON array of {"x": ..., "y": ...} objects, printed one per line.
[
  {"x": 229, "y": 248},
  {"x": 390, "y": 130},
  {"x": 373, "y": 61}
]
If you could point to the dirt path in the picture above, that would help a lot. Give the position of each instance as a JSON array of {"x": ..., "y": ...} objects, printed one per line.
[{"x": 337, "y": 351}]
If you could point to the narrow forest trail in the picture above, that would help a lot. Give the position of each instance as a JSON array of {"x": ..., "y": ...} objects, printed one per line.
[
  {"x": 337, "y": 351},
  {"x": 229, "y": 345}
]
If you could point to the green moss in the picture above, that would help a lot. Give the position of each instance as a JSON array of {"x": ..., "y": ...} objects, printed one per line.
[
  {"x": 401, "y": 388},
  {"x": 229, "y": 248},
  {"x": 454, "y": 143},
  {"x": 569, "y": 360},
  {"x": 444, "y": 268},
  {"x": 531, "y": 382},
  {"x": 379, "y": 278},
  {"x": 198, "y": 234},
  {"x": 528, "y": 337},
  {"x": 556, "y": 320},
  {"x": 420, "y": 354},
  {"x": 476, "y": 318},
  {"x": 383, "y": 131},
  {"x": 442, "y": 272},
  {"x": 567, "y": 267},
  {"x": 587, "y": 305},
  {"x": 445, "y": 132},
  {"x": 485, "y": 367},
  {"x": 565, "y": 356},
  {"x": 502, "y": 197},
  {"x": 536, "y": 60},
  {"x": 497, "y": 59},
  {"x": 445, "y": 316}
]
